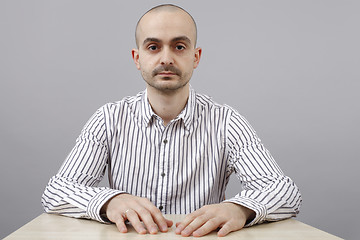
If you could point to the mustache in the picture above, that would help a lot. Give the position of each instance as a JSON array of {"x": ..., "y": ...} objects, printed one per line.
[{"x": 166, "y": 68}]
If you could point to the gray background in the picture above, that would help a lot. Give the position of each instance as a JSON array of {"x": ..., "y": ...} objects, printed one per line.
[{"x": 290, "y": 67}]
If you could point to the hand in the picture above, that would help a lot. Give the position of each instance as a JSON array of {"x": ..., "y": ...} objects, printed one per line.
[
  {"x": 228, "y": 216},
  {"x": 135, "y": 209}
]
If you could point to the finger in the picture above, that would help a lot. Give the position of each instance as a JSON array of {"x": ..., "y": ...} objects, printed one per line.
[
  {"x": 120, "y": 224},
  {"x": 169, "y": 222},
  {"x": 135, "y": 221},
  {"x": 211, "y": 225},
  {"x": 194, "y": 225},
  {"x": 225, "y": 230},
  {"x": 165, "y": 228},
  {"x": 147, "y": 219},
  {"x": 180, "y": 226},
  {"x": 160, "y": 220},
  {"x": 157, "y": 215}
]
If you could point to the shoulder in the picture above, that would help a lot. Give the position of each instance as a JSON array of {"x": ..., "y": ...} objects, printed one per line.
[
  {"x": 230, "y": 115},
  {"x": 127, "y": 103},
  {"x": 207, "y": 103},
  {"x": 113, "y": 111}
]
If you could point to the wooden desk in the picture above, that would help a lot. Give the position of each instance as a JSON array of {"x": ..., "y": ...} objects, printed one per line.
[{"x": 48, "y": 226}]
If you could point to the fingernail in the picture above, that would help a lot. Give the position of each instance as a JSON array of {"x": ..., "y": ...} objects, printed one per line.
[
  {"x": 185, "y": 232},
  {"x": 196, "y": 234},
  {"x": 153, "y": 230},
  {"x": 177, "y": 231}
]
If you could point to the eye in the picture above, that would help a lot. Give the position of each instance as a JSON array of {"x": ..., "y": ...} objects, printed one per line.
[
  {"x": 152, "y": 47},
  {"x": 180, "y": 47}
]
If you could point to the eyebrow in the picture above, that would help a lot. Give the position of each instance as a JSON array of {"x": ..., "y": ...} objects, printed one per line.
[
  {"x": 181, "y": 38},
  {"x": 151, "y": 40},
  {"x": 176, "y": 39}
]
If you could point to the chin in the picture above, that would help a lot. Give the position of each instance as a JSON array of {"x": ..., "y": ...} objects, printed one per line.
[{"x": 168, "y": 86}]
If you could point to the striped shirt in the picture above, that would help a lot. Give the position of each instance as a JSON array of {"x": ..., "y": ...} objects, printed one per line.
[{"x": 180, "y": 167}]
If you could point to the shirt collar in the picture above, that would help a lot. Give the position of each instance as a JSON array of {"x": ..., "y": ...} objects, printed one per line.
[
  {"x": 186, "y": 114},
  {"x": 147, "y": 112}
]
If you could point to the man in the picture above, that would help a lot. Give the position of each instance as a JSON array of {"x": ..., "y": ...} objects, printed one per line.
[{"x": 170, "y": 150}]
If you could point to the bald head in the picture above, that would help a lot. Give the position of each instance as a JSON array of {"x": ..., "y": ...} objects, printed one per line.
[{"x": 166, "y": 8}]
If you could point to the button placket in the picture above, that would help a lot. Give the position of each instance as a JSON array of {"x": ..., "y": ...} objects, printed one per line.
[{"x": 163, "y": 165}]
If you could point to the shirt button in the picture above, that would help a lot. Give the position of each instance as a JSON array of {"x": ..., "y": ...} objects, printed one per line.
[
  {"x": 165, "y": 141},
  {"x": 163, "y": 174},
  {"x": 161, "y": 208}
]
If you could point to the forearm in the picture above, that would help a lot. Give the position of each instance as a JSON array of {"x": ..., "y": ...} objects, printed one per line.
[
  {"x": 72, "y": 199},
  {"x": 248, "y": 214},
  {"x": 266, "y": 190},
  {"x": 279, "y": 200},
  {"x": 73, "y": 191}
]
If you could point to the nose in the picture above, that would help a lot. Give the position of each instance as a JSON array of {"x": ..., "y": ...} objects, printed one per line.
[{"x": 166, "y": 57}]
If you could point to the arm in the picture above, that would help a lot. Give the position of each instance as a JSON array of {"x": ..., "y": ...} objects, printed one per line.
[
  {"x": 266, "y": 190},
  {"x": 267, "y": 194},
  {"x": 73, "y": 190}
]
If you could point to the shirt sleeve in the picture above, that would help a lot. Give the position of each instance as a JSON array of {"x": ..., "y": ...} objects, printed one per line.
[
  {"x": 265, "y": 189},
  {"x": 73, "y": 190}
]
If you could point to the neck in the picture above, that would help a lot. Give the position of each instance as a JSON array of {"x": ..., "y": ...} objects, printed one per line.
[{"x": 168, "y": 105}]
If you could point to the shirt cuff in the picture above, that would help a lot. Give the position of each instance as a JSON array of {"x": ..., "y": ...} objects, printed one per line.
[
  {"x": 257, "y": 207},
  {"x": 96, "y": 203}
]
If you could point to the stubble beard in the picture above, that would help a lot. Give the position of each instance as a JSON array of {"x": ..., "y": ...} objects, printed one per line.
[{"x": 166, "y": 84}]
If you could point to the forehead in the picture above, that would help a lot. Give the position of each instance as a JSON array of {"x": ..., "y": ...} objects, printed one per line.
[{"x": 166, "y": 25}]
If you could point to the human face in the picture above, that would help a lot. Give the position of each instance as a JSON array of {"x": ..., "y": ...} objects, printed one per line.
[{"x": 166, "y": 55}]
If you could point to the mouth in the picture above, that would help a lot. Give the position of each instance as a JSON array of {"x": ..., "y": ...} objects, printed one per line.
[{"x": 166, "y": 73}]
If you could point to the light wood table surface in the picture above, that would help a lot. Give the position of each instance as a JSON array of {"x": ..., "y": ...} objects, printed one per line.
[{"x": 48, "y": 226}]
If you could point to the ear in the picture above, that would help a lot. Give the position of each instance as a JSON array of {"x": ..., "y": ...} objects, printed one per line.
[
  {"x": 135, "y": 56},
  {"x": 198, "y": 52}
]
